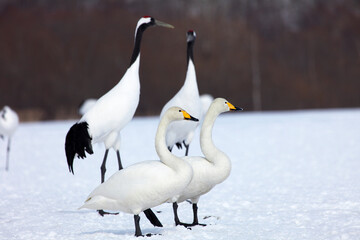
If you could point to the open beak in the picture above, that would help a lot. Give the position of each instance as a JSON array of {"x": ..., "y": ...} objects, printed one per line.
[
  {"x": 189, "y": 117},
  {"x": 233, "y": 108},
  {"x": 162, "y": 24}
]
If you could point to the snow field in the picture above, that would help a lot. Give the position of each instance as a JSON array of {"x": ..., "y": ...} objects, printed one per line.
[{"x": 295, "y": 175}]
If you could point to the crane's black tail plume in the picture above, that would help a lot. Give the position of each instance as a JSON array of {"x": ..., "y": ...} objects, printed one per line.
[
  {"x": 77, "y": 142},
  {"x": 152, "y": 218}
]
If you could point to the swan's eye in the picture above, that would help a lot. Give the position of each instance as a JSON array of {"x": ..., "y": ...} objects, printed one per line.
[{"x": 179, "y": 110}]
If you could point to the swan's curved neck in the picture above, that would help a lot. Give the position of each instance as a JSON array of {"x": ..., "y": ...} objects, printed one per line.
[
  {"x": 220, "y": 161},
  {"x": 161, "y": 148},
  {"x": 207, "y": 145},
  {"x": 211, "y": 152}
]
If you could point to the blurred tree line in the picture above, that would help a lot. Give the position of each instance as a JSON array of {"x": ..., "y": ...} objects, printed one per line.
[{"x": 261, "y": 55}]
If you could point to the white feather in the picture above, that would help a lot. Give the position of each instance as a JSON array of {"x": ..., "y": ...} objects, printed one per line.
[
  {"x": 115, "y": 109},
  {"x": 188, "y": 99},
  {"x": 146, "y": 184},
  {"x": 9, "y": 121},
  {"x": 215, "y": 167}
]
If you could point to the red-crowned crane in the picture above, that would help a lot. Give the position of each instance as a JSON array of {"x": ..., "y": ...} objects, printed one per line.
[
  {"x": 9, "y": 122},
  {"x": 187, "y": 98},
  {"x": 110, "y": 114}
]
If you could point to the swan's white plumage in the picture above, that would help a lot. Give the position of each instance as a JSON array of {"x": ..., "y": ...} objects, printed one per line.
[
  {"x": 144, "y": 188},
  {"x": 146, "y": 184},
  {"x": 187, "y": 98},
  {"x": 215, "y": 167}
]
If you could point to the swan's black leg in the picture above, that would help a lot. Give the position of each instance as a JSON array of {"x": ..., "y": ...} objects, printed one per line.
[
  {"x": 196, "y": 220},
  {"x": 187, "y": 148},
  {"x": 119, "y": 159},
  {"x": 152, "y": 218},
  {"x": 138, "y": 232},
  {"x": 176, "y": 217}
]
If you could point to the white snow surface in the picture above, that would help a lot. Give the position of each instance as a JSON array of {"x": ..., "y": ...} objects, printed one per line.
[{"x": 295, "y": 175}]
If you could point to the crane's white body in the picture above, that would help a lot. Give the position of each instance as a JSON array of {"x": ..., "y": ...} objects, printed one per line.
[
  {"x": 188, "y": 99},
  {"x": 86, "y": 105},
  {"x": 206, "y": 100},
  {"x": 115, "y": 109},
  {"x": 9, "y": 121}
]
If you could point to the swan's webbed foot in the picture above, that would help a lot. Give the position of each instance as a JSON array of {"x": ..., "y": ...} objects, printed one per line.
[
  {"x": 151, "y": 234},
  {"x": 103, "y": 213},
  {"x": 148, "y": 235},
  {"x": 189, "y": 225}
]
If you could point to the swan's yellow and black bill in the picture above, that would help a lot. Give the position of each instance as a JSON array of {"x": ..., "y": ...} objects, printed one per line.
[
  {"x": 233, "y": 108},
  {"x": 189, "y": 117},
  {"x": 163, "y": 24}
]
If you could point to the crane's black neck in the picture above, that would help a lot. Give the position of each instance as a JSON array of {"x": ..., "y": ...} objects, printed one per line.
[
  {"x": 190, "y": 47},
  {"x": 137, "y": 45}
]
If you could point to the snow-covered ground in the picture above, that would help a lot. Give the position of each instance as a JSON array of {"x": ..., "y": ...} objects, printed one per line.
[{"x": 295, "y": 175}]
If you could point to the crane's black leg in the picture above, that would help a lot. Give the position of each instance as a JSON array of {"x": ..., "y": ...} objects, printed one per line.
[
  {"x": 8, "y": 154},
  {"x": 103, "y": 170},
  {"x": 178, "y": 145},
  {"x": 119, "y": 159},
  {"x": 103, "y": 167},
  {"x": 138, "y": 232},
  {"x": 187, "y": 148}
]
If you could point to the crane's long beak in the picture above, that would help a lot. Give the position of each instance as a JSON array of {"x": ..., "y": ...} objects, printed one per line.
[{"x": 163, "y": 24}]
